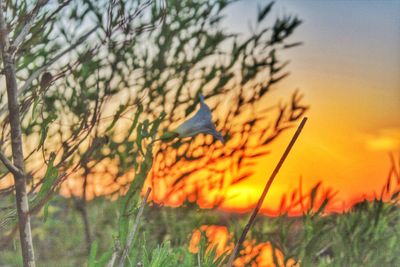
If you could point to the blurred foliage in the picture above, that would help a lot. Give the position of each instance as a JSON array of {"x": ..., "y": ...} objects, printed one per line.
[
  {"x": 95, "y": 76},
  {"x": 145, "y": 73}
]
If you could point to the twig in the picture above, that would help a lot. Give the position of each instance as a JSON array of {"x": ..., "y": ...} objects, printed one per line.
[
  {"x": 199, "y": 258},
  {"x": 10, "y": 166},
  {"x": 131, "y": 236},
  {"x": 264, "y": 193},
  {"x": 116, "y": 251},
  {"x": 40, "y": 70},
  {"x": 323, "y": 250},
  {"x": 28, "y": 24}
]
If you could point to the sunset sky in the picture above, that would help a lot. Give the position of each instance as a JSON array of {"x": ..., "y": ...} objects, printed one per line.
[{"x": 348, "y": 70}]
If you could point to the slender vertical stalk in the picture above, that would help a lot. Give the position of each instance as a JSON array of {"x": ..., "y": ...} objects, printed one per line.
[
  {"x": 264, "y": 193},
  {"x": 123, "y": 253},
  {"x": 21, "y": 196},
  {"x": 86, "y": 223},
  {"x": 80, "y": 205},
  {"x": 132, "y": 232}
]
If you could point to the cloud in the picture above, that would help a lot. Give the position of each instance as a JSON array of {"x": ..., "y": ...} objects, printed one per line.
[{"x": 387, "y": 139}]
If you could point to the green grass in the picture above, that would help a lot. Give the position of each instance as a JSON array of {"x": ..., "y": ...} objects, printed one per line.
[{"x": 366, "y": 235}]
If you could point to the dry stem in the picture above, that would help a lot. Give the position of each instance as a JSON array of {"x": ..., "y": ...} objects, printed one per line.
[{"x": 264, "y": 193}]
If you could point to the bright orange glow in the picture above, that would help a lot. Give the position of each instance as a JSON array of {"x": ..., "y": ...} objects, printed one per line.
[
  {"x": 252, "y": 254},
  {"x": 217, "y": 237},
  {"x": 289, "y": 193}
]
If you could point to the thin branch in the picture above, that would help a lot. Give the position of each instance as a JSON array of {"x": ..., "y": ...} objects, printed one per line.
[
  {"x": 56, "y": 11},
  {"x": 40, "y": 70},
  {"x": 31, "y": 16},
  {"x": 116, "y": 251},
  {"x": 131, "y": 236},
  {"x": 4, "y": 41},
  {"x": 264, "y": 193},
  {"x": 10, "y": 166}
]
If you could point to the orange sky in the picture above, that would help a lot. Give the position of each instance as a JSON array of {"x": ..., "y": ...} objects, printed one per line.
[{"x": 348, "y": 69}]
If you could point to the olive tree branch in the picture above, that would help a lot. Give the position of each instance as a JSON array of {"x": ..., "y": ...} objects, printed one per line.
[
  {"x": 31, "y": 16},
  {"x": 10, "y": 166},
  {"x": 21, "y": 196},
  {"x": 41, "y": 69}
]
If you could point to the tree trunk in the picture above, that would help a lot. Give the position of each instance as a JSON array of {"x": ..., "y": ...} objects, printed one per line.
[{"x": 21, "y": 196}]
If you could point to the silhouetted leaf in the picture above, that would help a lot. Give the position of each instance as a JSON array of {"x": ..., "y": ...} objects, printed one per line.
[{"x": 264, "y": 11}]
